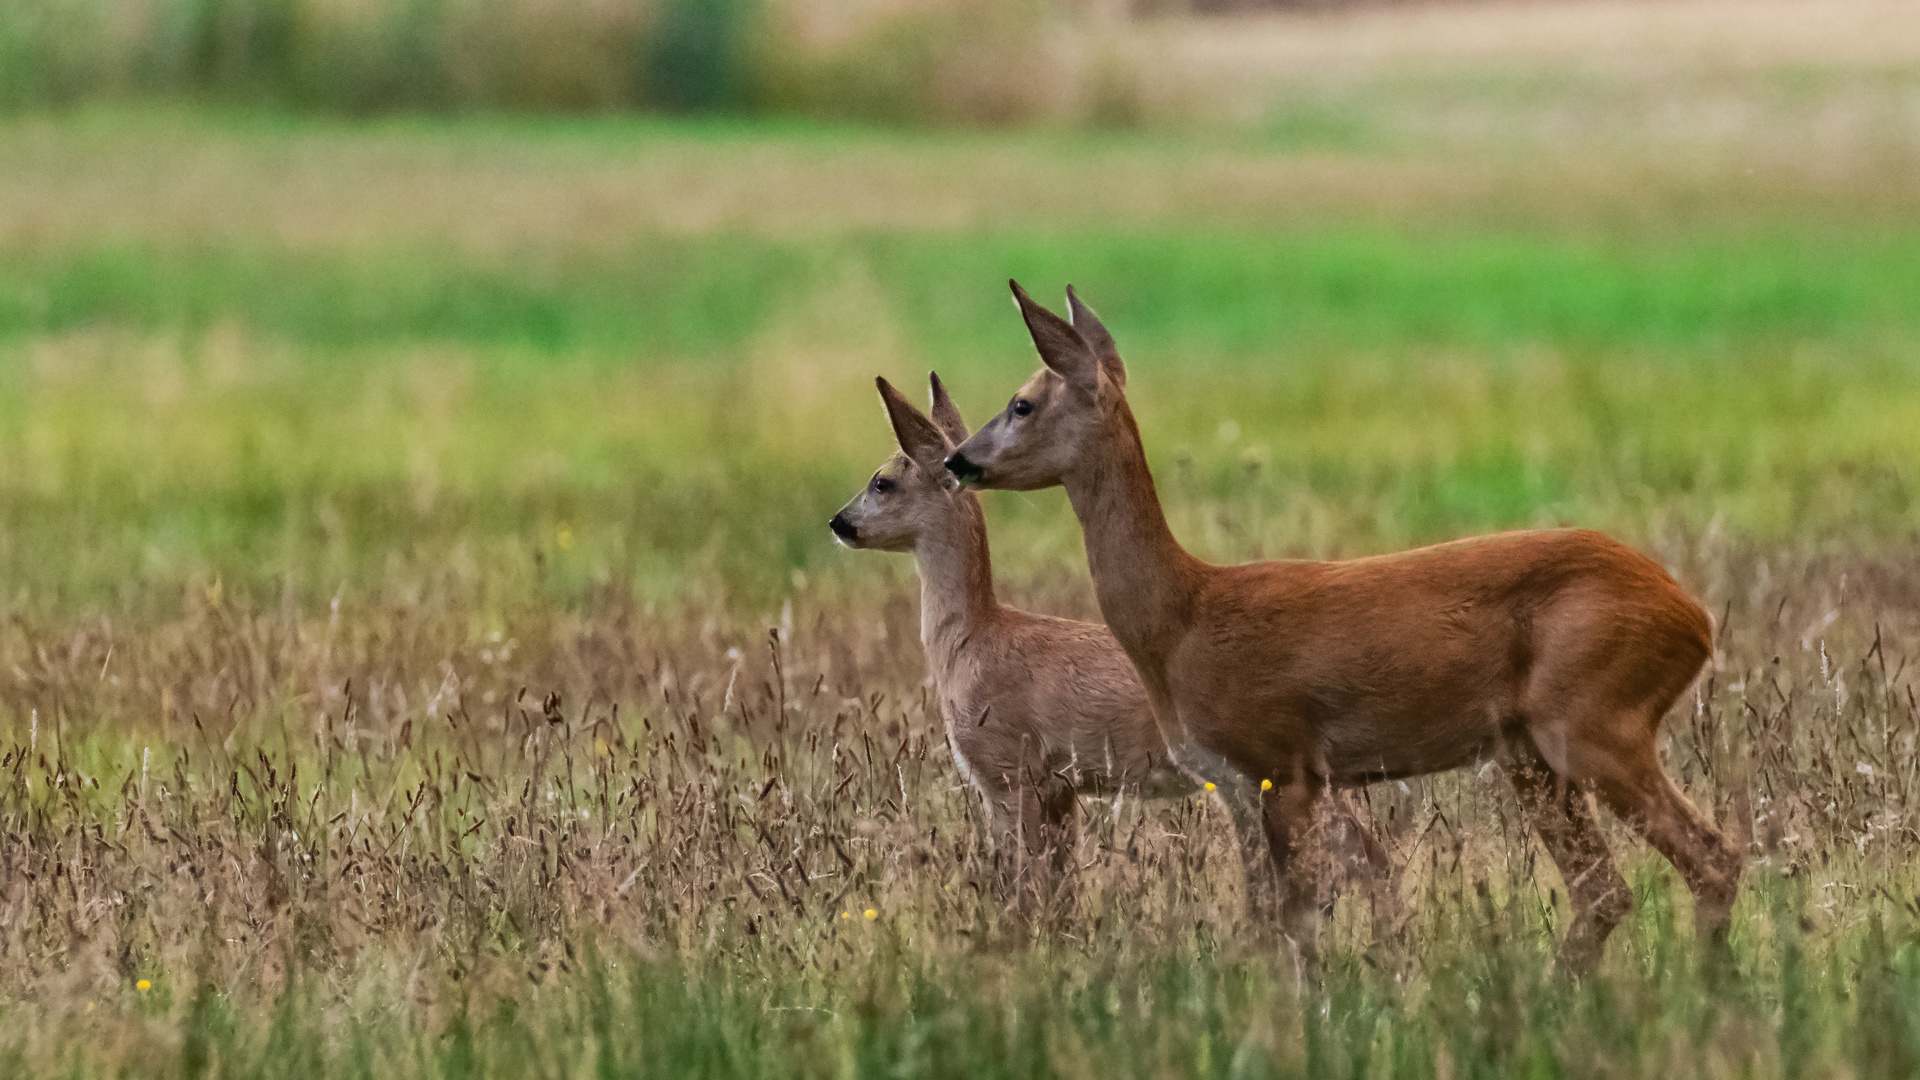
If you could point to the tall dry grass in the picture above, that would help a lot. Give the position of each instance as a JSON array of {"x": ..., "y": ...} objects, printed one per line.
[{"x": 476, "y": 808}]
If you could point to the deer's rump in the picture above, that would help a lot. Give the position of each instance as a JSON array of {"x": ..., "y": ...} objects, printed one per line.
[{"x": 1423, "y": 661}]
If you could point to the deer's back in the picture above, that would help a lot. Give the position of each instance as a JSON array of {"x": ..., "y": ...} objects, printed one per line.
[{"x": 1410, "y": 663}]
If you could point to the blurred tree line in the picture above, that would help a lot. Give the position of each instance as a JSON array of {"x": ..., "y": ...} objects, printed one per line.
[{"x": 970, "y": 61}]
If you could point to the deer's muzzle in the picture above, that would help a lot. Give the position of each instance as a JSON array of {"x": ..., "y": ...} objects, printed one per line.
[{"x": 962, "y": 469}]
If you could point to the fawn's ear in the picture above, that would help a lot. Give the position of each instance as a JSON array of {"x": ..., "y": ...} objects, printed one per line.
[
  {"x": 945, "y": 416},
  {"x": 919, "y": 438},
  {"x": 1062, "y": 348},
  {"x": 1090, "y": 327}
]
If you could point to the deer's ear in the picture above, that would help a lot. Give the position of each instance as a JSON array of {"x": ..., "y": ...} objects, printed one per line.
[
  {"x": 1062, "y": 348},
  {"x": 919, "y": 438},
  {"x": 945, "y": 416},
  {"x": 1090, "y": 327}
]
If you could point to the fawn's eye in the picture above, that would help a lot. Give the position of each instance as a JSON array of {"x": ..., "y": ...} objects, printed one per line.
[
  {"x": 882, "y": 485},
  {"x": 1021, "y": 406}
]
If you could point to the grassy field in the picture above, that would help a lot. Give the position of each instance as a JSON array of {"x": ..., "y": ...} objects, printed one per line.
[{"x": 422, "y": 651}]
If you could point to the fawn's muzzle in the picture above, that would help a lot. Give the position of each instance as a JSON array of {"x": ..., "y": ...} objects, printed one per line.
[{"x": 843, "y": 528}]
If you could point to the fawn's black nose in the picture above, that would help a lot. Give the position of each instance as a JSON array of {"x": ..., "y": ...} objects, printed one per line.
[
  {"x": 963, "y": 470},
  {"x": 843, "y": 528}
]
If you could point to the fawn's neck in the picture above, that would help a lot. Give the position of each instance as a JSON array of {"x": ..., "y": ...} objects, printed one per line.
[
  {"x": 1144, "y": 579},
  {"x": 956, "y": 580}
]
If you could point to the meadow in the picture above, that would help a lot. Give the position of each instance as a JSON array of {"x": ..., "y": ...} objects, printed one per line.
[{"x": 422, "y": 652}]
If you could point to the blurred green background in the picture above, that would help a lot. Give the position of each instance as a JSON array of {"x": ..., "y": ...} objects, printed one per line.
[{"x": 294, "y": 313}]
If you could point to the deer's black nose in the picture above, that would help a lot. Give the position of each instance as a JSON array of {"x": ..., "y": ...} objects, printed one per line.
[
  {"x": 965, "y": 471},
  {"x": 843, "y": 528}
]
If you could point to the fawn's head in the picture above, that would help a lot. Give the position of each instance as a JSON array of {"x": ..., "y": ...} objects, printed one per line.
[
  {"x": 910, "y": 493},
  {"x": 1048, "y": 425}
]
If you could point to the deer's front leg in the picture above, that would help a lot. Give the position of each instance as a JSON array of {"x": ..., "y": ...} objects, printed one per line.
[
  {"x": 1242, "y": 800},
  {"x": 1035, "y": 822},
  {"x": 1293, "y": 836},
  {"x": 1056, "y": 844}
]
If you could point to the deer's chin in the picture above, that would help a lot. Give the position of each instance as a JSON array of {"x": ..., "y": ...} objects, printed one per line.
[
  {"x": 990, "y": 482},
  {"x": 869, "y": 542}
]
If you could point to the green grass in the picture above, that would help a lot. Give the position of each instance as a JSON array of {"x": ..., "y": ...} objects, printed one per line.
[
  {"x": 1182, "y": 295},
  {"x": 1187, "y": 1013},
  {"x": 1435, "y": 381}
]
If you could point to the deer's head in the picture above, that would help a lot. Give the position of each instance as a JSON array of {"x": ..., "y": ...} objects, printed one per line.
[
  {"x": 910, "y": 494},
  {"x": 1051, "y": 423}
]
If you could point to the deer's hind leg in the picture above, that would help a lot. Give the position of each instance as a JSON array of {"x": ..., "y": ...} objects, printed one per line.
[
  {"x": 1594, "y": 709},
  {"x": 1559, "y": 812},
  {"x": 1647, "y": 800},
  {"x": 1612, "y": 748}
]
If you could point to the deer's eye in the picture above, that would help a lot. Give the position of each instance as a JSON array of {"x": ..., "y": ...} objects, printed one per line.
[
  {"x": 1021, "y": 406},
  {"x": 882, "y": 485}
]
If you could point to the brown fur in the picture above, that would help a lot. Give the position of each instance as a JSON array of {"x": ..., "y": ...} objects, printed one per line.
[
  {"x": 1038, "y": 709},
  {"x": 1556, "y": 652}
]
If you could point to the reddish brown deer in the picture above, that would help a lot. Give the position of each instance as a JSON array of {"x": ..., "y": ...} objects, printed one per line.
[
  {"x": 1038, "y": 710},
  {"x": 1556, "y": 652}
]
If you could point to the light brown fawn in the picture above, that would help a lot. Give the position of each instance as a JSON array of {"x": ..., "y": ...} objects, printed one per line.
[
  {"x": 1038, "y": 710},
  {"x": 1556, "y": 652}
]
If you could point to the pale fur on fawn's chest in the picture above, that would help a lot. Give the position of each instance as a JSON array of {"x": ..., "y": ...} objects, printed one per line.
[
  {"x": 953, "y": 681},
  {"x": 960, "y": 758}
]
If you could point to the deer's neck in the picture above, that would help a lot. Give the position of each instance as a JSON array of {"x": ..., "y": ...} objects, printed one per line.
[
  {"x": 1144, "y": 579},
  {"x": 956, "y": 581}
]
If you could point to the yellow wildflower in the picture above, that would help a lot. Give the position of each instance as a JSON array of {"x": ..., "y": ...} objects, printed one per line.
[
  {"x": 871, "y": 914},
  {"x": 143, "y": 986}
]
